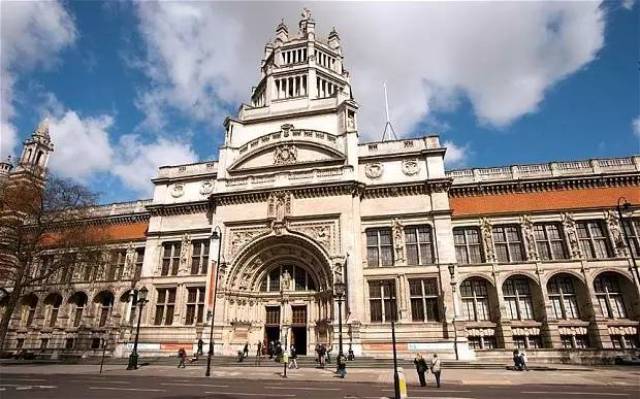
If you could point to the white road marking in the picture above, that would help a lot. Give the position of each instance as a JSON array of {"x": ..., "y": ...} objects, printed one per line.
[
  {"x": 22, "y": 379},
  {"x": 574, "y": 393},
  {"x": 184, "y": 384},
  {"x": 280, "y": 395},
  {"x": 130, "y": 389},
  {"x": 304, "y": 388},
  {"x": 105, "y": 381},
  {"x": 24, "y": 388}
]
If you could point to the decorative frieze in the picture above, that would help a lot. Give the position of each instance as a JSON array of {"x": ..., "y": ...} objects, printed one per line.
[
  {"x": 285, "y": 154},
  {"x": 481, "y": 332},
  {"x": 324, "y": 233},
  {"x": 241, "y": 237},
  {"x": 573, "y": 330},
  {"x": 623, "y": 330},
  {"x": 525, "y": 330}
]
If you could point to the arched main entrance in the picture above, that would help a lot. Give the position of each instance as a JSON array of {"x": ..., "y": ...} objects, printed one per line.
[{"x": 278, "y": 288}]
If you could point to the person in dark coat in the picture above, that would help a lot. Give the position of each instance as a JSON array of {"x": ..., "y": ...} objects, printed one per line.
[
  {"x": 182, "y": 356},
  {"x": 200, "y": 346},
  {"x": 245, "y": 350},
  {"x": 341, "y": 362},
  {"x": 421, "y": 368},
  {"x": 272, "y": 349}
]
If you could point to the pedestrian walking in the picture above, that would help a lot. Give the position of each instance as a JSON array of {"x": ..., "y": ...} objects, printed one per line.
[
  {"x": 321, "y": 354},
  {"x": 245, "y": 350},
  {"x": 436, "y": 368},
  {"x": 523, "y": 361},
  {"x": 259, "y": 353},
  {"x": 328, "y": 351},
  {"x": 351, "y": 356},
  {"x": 272, "y": 349},
  {"x": 293, "y": 357},
  {"x": 421, "y": 368},
  {"x": 182, "y": 356},
  {"x": 200, "y": 346},
  {"x": 341, "y": 362}
]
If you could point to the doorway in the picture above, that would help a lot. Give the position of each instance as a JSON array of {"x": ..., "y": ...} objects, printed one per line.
[
  {"x": 272, "y": 324},
  {"x": 299, "y": 339},
  {"x": 272, "y": 333}
]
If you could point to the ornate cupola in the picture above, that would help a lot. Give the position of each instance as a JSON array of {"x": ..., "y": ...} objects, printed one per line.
[
  {"x": 5, "y": 167},
  {"x": 36, "y": 150},
  {"x": 282, "y": 33}
]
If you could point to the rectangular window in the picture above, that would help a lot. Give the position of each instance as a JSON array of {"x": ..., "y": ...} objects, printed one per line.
[
  {"x": 549, "y": 241},
  {"x": 165, "y": 306},
  {"x": 508, "y": 244},
  {"x": 170, "y": 258},
  {"x": 593, "y": 239},
  {"x": 419, "y": 245},
  {"x": 382, "y": 300},
  {"x": 520, "y": 341},
  {"x": 468, "y": 246},
  {"x": 582, "y": 341},
  {"x": 199, "y": 256},
  {"x": 299, "y": 315},
  {"x": 632, "y": 229},
  {"x": 69, "y": 343},
  {"x": 534, "y": 342},
  {"x": 44, "y": 342},
  {"x": 424, "y": 299},
  {"x": 116, "y": 265},
  {"x": 379, "y": 247},
  {"x": 273, "y": 315},
  {"x": 137, "y": 273},
  {"x": 195, "y": 305}
]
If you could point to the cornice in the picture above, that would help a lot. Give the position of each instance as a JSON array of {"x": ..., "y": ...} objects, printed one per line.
[
  {"x": 178, "y": 209},
  {"x": 404, "y": 189},
  {"x": 402, "y": 154},
  {"x": 546, "y": 184}
]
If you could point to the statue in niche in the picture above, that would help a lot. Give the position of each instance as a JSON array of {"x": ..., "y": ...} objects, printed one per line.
[
  {"x": 286, "y": 281},
  {"x": 487, "y": 239},
  {"x": 279, "y": 205},
  {"x": 569, "y": 225},
  {"x": 398, "y": 240},
  {"x": 616, "y": 234},
  {"x": 529, "y": 236}
]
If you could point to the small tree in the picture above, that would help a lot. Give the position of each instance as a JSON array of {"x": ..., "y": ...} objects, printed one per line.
[{"x": 46, "y": 231}]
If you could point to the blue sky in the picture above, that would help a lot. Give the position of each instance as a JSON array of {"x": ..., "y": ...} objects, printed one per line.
[{"x": 131, "y": 86}]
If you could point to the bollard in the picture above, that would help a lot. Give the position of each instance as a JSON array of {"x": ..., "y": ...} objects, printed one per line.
[{"x": 402, "y": 381}]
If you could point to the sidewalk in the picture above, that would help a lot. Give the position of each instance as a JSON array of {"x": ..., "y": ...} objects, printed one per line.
[{"x": 599, "y": 376}]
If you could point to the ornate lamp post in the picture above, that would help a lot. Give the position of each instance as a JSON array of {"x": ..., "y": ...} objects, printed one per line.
[
  {"x": 396, "y": 376},
  {"x": 216, "y": 235},
  {"x": 624, "y": 205},
  {"x": 339, "y": 289},
  {"x": 452, "y": 274},
  {"x": 138, "y": 298}
]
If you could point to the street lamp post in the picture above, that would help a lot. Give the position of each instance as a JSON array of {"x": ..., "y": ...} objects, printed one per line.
[
  {"x": 625, "y": 205},
  {"x": 138, "y": 298},
  {"x": 339, "y": 290},
  {"x": 216, "y": 235},
  {"x": 452, "y": 273},
  {"x": 396, "y": 376}
]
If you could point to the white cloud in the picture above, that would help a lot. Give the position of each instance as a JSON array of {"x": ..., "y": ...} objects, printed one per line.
[
  {"x": 502, "y": 56},
  {"x": 635, "y": 126},
  {"x": 32, "y": 33},
  {"x": 137, "y": 162},
  {"x": 628, "y": 4},
  {"x": 82, "y": 146},
  {"x": 456, "y": 156}
]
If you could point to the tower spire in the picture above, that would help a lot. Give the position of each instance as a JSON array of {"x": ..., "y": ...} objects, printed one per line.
[{"x": 387, "y": 125}]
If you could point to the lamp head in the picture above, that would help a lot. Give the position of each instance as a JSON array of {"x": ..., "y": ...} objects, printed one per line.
[
  {"x": 452, "y": 270},
  {"x": 142, "y": 294},
  {"x": 626, "y": 206},
  {"x": 339, "y": 287},
  {"x": 215, "y": 235}
]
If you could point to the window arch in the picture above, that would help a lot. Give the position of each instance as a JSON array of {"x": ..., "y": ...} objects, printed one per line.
[
  {"x": 609, "y": 293},
  {"x": 301, "y": 280},
  {"x": 79, "y": 300},
  {"x": 53, "y": 303},
  {"x": 563, "y": 297},
  {"x": 475, "y": 299},
  {"x": 29, "y": 304},
  {"x": 518, "y": 298},
  {"x": 104, "y": 300}
]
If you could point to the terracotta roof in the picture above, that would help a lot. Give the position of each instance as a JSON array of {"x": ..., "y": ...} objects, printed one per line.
[
  {"x": 127, "y": 231},
  {"x": 542, "y": 201}
]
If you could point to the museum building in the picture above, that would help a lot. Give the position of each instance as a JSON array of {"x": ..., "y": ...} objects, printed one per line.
[{"x": 472, "y": 262}]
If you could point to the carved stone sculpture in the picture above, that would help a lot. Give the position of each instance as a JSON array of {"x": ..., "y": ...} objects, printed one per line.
[
  {"x": 529, "y": 237},
  {"x": 487, "y": 239},
  {"x": 286, "y": 281},
  {"x": 285, "y": 154},
  {"x": 398, "y": 240},
  {"x": 185, "y": 248},
  {"x": 177, "y": 190},
  {"x": 569, "y": 226},
  {"x": 410, "y": 167},
  {"x": 279, "y": 205},
  {"x": 373, "y": 170},
  {"x": 616, "y": 233}
]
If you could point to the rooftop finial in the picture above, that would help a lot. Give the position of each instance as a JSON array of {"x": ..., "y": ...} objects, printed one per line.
[
  {"x": 306, "y": 14},
  {"x": 43, "y": 128}
]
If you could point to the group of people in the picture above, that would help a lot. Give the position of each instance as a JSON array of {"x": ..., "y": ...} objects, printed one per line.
[
  {"x": 520, "y": 361},
  {"x": 182, "y": 354},
  {"x": 423, "y": 366}
]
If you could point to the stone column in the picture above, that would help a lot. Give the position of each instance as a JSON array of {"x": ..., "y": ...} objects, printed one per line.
[{"x": 504, "y": 335}]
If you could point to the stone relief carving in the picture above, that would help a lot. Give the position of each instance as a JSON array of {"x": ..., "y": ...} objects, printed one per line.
[
  {"x": 285, "y": 154},
  {"x": 569, "y": 226},
  {"x": 286, "y": 129},
  {"x": 410, "y": 167},
  {"x": 487, "y": 239},
  {"x": 572, "y": 330},
  {"x": 323, "y": 233},
  {"x": 480, "y": 332},
  {"x": 279, "y": 205},
  {"x": 525, "y": 331},
  {"x": 373, "y": 170},
  {"x": 398, "y": 240},
  {"x": 613, "y": 223},
  {"x": 185, "y": 249},
  {"x": 129, "y": 261},
  {"x": 242, "y": 237},
  {"x": 529, "y": 237},
  {"x": 206, "y": 187},
  {"x": 177, "y": 190},
  {"x": 286, "y": 281}
]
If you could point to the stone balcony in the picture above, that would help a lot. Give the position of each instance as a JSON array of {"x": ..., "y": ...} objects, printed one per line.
[
  {"x": 194, "y": 169},
  {"x": 551, "y": 169}
]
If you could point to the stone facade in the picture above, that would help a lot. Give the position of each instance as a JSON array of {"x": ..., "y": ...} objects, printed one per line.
[{"x": 467, "y": 260}]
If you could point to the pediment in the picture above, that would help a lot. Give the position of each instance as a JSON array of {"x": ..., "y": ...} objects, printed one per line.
[{"x": 287, "y": 153}]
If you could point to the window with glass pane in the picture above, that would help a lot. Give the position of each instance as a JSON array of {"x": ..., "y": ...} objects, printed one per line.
[
  {"x": 610, "y": 296},
  {"x": 468, "y": 246},
  {"x": 593, "y": 239},
  {"x": 632, "y": 229},
  {"x": 475, "y": 301},
  {"x": 581, "y": 341},
  {"x": 170, "y": 258},
  {"x": 419, "y": 245},
  {"x": 195, "y": 305},
  {"x": 508, "y": 243},
  {"x": 301, "y": 280},
  {"x": 382, "y": 298},
  {"x": 199, "y": 256},
  {"x": 273, "y": 315},
  {"x": 424, "y": 299},
  {"x": 549, "y": 241},
  {"x": 116, "y": 265},
  {"x": 138, "y": 264},
  {"x": 563, "y": 299},
  {"x": 165, "y": 306},
  {"x": 517, "y": 297},
  {"x": 379, "y": 247}
]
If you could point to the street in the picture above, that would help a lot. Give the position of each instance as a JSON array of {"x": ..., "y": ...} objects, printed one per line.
[{"x": 83, "y": 386}]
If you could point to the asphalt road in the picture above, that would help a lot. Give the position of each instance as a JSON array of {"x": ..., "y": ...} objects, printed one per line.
[{"x": 82, "y": 386}]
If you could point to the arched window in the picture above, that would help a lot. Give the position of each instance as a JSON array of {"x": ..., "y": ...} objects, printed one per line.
[
  {"x": 609, "y": 294},
  {"x": 29, "y": 304},
  {"x": 300, "y": 279},
  {"x": 518, "y": 299},
  {"x": 562, "y": 295},
  {"x": 79, "y": 301},
  {"x": 53, "y": 302},
  {"x": 475, "y": 299},
  {"x": 104, "y": 300}
]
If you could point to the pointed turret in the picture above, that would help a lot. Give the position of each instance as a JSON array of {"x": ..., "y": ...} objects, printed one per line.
[
  {"x": 334, "y": 39},
  {"x": 5, "y": 168},
  {"x": 282, "y": 33},
  {"x": 37, "y": 149}
]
